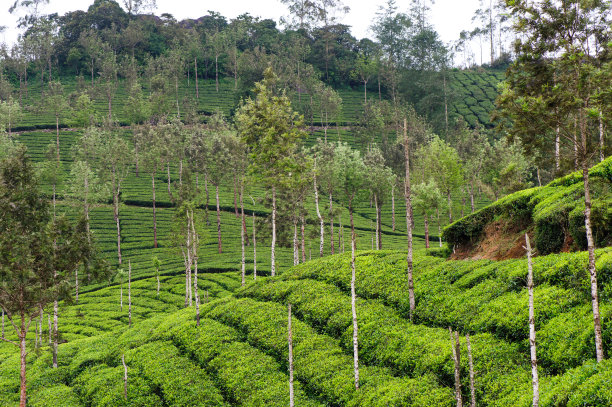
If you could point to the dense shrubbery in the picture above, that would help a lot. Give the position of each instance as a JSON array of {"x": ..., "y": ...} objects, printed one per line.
[{"x": 556, "y": 212}]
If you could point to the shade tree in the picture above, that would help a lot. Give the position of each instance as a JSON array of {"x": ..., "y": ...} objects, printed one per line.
[
  {"x": 271, "y": 129},
  {"x": 350, "y": 173}
]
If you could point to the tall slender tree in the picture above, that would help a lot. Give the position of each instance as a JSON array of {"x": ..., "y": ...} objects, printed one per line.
[
  {"x": 271, "y": 130},
  {"x": 350, "y": 172},
  {"x": 553, "y": 84}
]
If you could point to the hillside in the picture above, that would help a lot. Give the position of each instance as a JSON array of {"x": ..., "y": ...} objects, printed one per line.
[
  {"x": 473, "y": 95},
  {"x": 237, "y": 356},
  {"x": 553, "y": 215}
]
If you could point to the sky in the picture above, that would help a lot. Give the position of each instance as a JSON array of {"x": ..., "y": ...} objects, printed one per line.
[{"x": 449, "y": 17}]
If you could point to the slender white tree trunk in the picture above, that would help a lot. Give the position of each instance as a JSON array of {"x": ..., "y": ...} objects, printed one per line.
[
  {"x": 129, "y": 293},
  {"x": 290, "y": 343},
  {"x": 23, "y": 354},
  {"x": 331, "y": 222},
  {"x": 602, "y": 137},
  {"x": 558, "y": 149},
  {"x": 55, "y": 333},
  {"x": 354, "y": 301},
  {"x": 457, "y": 359},
  {"x": 116, "y": 215},
  {"x": 532, "y": 333},
  {"x": 254, "y": 245},
  {"x": 76, "y": 285},
  {"x": 194, "y": 253},
  {"x": 472, "y": 374},
  {"x": 592, "y": 269},
  {"x": 303, "y": 227},
  {"x": 195, "y": 62},
  {"x": 154, "y": 212},
  {"x": 157, "y": 276},
  {"x": 409, "y": 220},
  {"x": 377, "y": 224},
  {"x": 273, "y": 245},
  {"x": 393, "y": 206},
  {"x": 125, "y": 377},
  {"x": 296, "y": 254},
  {"x": 218, "y": 220},
  {"x": 243, "y": 257},
  {"x": 322, "y": 223}
]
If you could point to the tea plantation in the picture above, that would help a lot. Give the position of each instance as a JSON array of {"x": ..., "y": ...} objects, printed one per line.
[
  {"x": 554, "y": 213},
  {"x": 238, "y": 354}
]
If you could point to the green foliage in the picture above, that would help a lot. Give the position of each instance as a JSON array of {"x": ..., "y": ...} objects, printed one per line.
[{"x": 555, "y": 211}]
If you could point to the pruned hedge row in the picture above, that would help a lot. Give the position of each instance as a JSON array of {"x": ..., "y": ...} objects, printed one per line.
[
  {"x": 555, "y": 211},
  {"x": 321, "y": 364},
  {"x": 476, "y": 296},
  {"x": 388, "y": 340}
]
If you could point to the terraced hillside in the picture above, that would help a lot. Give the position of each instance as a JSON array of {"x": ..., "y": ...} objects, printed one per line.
[
  {"x": 473, "y": 96},
  {"x": 238, "y": 354},
  {"x": 552, "y": 214}
]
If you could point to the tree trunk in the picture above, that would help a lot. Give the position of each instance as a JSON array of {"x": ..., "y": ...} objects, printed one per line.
[
  {"x": 532, "y": 334},
  {"x": 558, "y": 149},
  {"x": 591, "y": 250},
  {"x": 125, "y": 377},
  {"x": 331, "y": 222},
  {"x": 207, "y": 197},
  {"x": 601, "y": 138},
  {"x": 296, "y": 253},
  {"x": 194, "y": 253},
  {"x": 254, "y": 245},
  {"x": 354, "y": 300},
  {"x": 235, "y": 201},
  {"x": 178, "y": 109},
  {"x": 86, "y": 207},
  {"x": 379, "y": 225},
  {"x": 273, "y": 248},
  {"x": 55, "y": 334},
  {"x": 290, "y": 343},
  {"x": 157, "y": 276},
  {"x": 76, "y": 285},
  {"x": 409, "y": 220},
  {"x": 57, "y": 137},
  {"x": 23, "y": 353},
  {"x": 303, "y": 227},
  {"x": 472, "y": 196},
  {"x": 242, "y": 233},
  {"x": 181, "y": 172},
  {"x": 439, "y": 227},
  {"x": 116, "y": 215},
  {"x": 169, "y": 190},
  {"x": 121, "y": 294},
  {"x": 393, "y": 206},
  {"x": 217, "y": 72},
  {"x": 472, "y": 374},
  {"x": 457, "y": 359},
  {"x": 195, "y": 62},
  {"x": 2, "y": 323},
  {"x": 129, "y": 293},
  {"x": 316, "y": 192},
  {"x": 450, "y": 206},
  {"x": 154, "y": 213},
  {"x": 218, "y": 219},
  {"x": 426, "y": 218},
  {"x": 377, "y": 222},
  {"x": 445, "y": 104}
]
